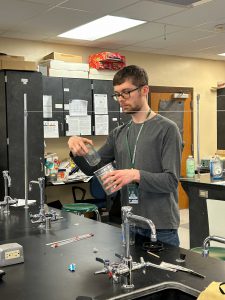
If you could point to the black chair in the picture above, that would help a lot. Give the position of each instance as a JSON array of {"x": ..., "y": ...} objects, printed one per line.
[{"x": 96, "y": 191}]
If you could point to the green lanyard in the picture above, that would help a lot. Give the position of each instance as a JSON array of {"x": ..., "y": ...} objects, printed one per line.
[{"x": 132, "y": 157}]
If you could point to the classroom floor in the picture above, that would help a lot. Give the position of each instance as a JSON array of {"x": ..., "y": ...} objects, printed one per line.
[{"x": 184, "y": 229}]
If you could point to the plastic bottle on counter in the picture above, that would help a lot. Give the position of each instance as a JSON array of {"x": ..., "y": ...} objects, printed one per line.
[
  {"x": 216, "y": 167},
  {"x": 190, "y": 167}
]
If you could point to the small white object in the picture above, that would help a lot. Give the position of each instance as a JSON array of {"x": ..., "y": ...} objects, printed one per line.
[
  {"x": 180, "y": 96},
  {"x": 21, "y": 202}
]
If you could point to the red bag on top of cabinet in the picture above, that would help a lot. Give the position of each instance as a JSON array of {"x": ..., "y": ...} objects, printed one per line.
[{"x": 107, "y": 60}]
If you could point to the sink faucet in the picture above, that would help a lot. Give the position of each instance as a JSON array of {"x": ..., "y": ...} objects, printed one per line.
[
  {"x": 128, "y": 216},
  {"x": 206, "y": 243},
  {"x": 41, "y": 183},
  {"x": 7, "y": 199},
  {"x": 43, "y": 218},
  {"x": 126, "y": 265}
]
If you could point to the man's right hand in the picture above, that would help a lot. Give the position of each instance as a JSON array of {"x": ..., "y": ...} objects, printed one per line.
[{"x": 77, "y": 145}]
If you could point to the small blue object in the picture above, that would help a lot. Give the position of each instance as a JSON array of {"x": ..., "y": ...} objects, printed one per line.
[{"x": 72, "y": 267}]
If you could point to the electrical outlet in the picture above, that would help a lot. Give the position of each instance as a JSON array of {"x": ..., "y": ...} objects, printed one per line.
[
  {"x": 12, "y": 254},
  {"x": 203, "y": 194}
]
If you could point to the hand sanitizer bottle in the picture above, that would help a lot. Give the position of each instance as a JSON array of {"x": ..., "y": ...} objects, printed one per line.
[{"x": 216, "y": 168}]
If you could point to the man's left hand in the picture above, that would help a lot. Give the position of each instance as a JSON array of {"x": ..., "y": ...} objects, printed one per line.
[{"x": 118, "y": 178}]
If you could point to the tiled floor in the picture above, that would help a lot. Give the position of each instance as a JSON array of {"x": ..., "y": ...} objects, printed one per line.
[{"x": 184, "y": 229}]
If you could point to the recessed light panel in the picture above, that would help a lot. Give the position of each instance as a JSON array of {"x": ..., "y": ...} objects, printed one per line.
[{"x": 100, "y": 28}]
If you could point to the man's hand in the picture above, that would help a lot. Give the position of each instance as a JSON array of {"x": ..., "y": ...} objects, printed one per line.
[
  {"x": 118, "y": 178},
  {"x": 77, "y": 145}
]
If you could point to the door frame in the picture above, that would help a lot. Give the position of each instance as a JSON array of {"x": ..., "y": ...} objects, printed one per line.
[
  {"x": 183, "y": 198},
  {"x": 170, "y": 89}
]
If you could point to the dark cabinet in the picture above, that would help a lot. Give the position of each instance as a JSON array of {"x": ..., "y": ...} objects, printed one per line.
[
  {"x": 105, "y": 88},
  {"x": 76, "y": 89},
  {"x": 220, "y": 119},
  {"x": 53, "y": 91},
  {"x": 64, "y": 90},
  {"x": 13, "y": 86}
]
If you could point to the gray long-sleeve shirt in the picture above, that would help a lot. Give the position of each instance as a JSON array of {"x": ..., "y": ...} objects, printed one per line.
[{"x": 158, "y": 157}]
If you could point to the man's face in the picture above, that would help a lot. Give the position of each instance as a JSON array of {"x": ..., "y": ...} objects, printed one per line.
[{"x": 129, "y": 97}]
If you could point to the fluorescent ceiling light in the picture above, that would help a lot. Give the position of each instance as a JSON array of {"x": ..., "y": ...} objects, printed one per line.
[
  {"x": 100, "y": 28},
  {"x": 222, "y": 54}
]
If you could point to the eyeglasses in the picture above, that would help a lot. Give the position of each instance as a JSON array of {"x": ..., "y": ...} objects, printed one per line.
[{"x": 124, "y": 95}]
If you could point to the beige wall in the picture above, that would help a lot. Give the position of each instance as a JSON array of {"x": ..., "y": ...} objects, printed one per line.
[{"x": 163, "y": 70}]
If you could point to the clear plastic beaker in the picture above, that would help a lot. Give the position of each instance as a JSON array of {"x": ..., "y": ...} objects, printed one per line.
[
  {"x": 103, "y": 171},
  {"x": 92, "y": 157}
]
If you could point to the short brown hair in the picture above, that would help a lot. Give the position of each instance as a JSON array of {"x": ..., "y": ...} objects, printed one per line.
[{"x": 135, "y": 74}]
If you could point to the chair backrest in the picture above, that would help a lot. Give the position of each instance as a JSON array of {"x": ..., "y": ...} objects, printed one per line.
[
  {"x": 216, "y": 219},
  {"x": 96, "y": 189}
]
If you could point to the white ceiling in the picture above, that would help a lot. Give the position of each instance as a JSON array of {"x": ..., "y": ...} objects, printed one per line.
[{"x": 171, "y": 29}]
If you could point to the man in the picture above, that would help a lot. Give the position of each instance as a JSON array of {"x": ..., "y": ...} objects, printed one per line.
[{"x": 147, "y": 151}]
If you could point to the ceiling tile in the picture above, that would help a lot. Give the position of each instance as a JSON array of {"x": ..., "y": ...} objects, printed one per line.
[
  {"x": 13, "y": 12},
  {"x": 141, "y": 49},
  {"x": 210, "y": 25},
  {"x": 176, "y": 39},
  {"x": 24, "y": 35},
  {"x": 198, "y": 15},
  {"x": 46, "y": 2},
  {"x": 149, "y": 11},
  {"x": 55, "y": 21},
  {"x": 218, "y": 39},
  {"x": 140, "y": 33},
  {"x": 97, "y": 6}
]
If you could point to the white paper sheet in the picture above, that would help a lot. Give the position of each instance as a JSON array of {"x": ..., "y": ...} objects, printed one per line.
[
  {"x": 51, "y": 129},
  {"x": 59, "y": 105},
  {"x": 21, "y": 202},
  {"x": 101, "y": 104},
  {"x": 101, "y": 124},
  {"x": 57, "y": 182},
  {"x": 78, "y": 125},
  {"x": 47, "y": 106},
  {"x": 66, "y": 107},
  {"x": 78, "y": 107}
]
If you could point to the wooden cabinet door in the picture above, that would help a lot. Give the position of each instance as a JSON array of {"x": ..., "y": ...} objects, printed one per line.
[{"x": 167, "y": 94}]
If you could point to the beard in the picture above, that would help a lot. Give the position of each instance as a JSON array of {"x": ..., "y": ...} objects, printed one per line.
[{"x": 131, "y": 110}]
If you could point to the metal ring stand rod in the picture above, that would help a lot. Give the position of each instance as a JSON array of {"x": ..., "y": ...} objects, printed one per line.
[
  {"x": 26, "y": 188},
  {"x": 198, "y": 138}
]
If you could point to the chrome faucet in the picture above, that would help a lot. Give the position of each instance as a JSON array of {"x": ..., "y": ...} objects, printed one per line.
[
  {"x": 41, "y": 183},
  {"x": 128, "y": 216},
  {"x": 43, "y": 218},
  {"x": 7, "y": 199},
  {"x": 126, "y": 265},
  {"x": 206, "y": 243}
]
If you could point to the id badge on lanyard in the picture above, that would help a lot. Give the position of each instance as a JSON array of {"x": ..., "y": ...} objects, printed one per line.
[{"x": 132, "y": 190}]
